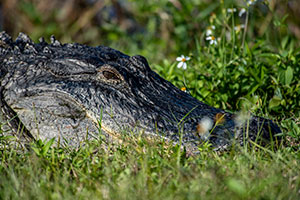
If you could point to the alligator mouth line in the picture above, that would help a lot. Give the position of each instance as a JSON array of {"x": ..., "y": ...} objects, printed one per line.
[
  {"x": 118, "y": 137},
  {"x": 150, "y": 138}
]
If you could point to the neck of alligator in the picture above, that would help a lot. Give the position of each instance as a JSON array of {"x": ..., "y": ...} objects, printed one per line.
[{"x": 68, "y": 91}]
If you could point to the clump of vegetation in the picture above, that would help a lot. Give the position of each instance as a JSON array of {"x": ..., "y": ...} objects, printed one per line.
[{"x": 235, "y": 55}]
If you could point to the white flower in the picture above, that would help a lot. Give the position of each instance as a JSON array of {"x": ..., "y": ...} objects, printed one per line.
[
  {"x": 203, "y": 127},
  {"x": 212, "y": 40},
  {"x": 238, "y": 28},
  {"x": 209, "y": 30},
  {"x": 182, "y": 61},
  {"x": 231, "y": 10},
  {"x": 250, "y": 2},
  {"x": 242, "y": 11}
]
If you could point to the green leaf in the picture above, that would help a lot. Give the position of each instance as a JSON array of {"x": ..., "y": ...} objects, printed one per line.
[
  {"x": 253, "y": 89},
  {"x": 36, "y": 150},
  {"x": 284, "y": 43},
  {"x": 288, "y": 75},
  {"x": 275, "y": 101},
  {"x": 200, "y": 83},
  {"x": 204, "y": 93},
  {"x": 278, "y": 93},
  {"x": 47, "y": 146},
  {"x": 248, "y": 51},
  {"x": 281, "y": 77}
]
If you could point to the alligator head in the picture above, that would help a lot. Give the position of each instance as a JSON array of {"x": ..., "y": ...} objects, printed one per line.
[{"x": 67, "y": 91}]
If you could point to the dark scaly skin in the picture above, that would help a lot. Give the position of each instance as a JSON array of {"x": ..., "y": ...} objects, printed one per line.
[{"x": 60, "y": 90}]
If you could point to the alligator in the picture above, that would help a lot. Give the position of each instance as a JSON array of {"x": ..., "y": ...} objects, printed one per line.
[{"x": 74, "y": 93}]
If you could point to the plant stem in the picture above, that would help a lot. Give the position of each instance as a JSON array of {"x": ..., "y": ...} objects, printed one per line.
[{"x": 246, "y": 28}]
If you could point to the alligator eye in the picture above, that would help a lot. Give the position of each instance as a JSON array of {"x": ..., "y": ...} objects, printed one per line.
[{"x": 110, "y": 75}]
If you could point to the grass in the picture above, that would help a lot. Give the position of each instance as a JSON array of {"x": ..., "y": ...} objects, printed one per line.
[
  {"x": 140, "y": 170},
  {"x": 256, "y": 71}
]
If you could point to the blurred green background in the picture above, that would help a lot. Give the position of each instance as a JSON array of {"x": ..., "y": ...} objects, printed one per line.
[
  {"x": 254, "y": 68},
  {"x": 158, "y": 29}
]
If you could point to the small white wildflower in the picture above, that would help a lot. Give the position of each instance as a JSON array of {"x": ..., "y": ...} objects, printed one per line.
[
  {"x": 250, "y": 2},
  {"x": 238, "y": 28},
  {"x": 242, "y": 11},
  {"x": 209, "y": 30},
  {"x": 231, "y": 10},
  {"x": 182, "y": 61},
  {"x": 212, "y": 40},
  {"x": 203, "y": 127}
]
